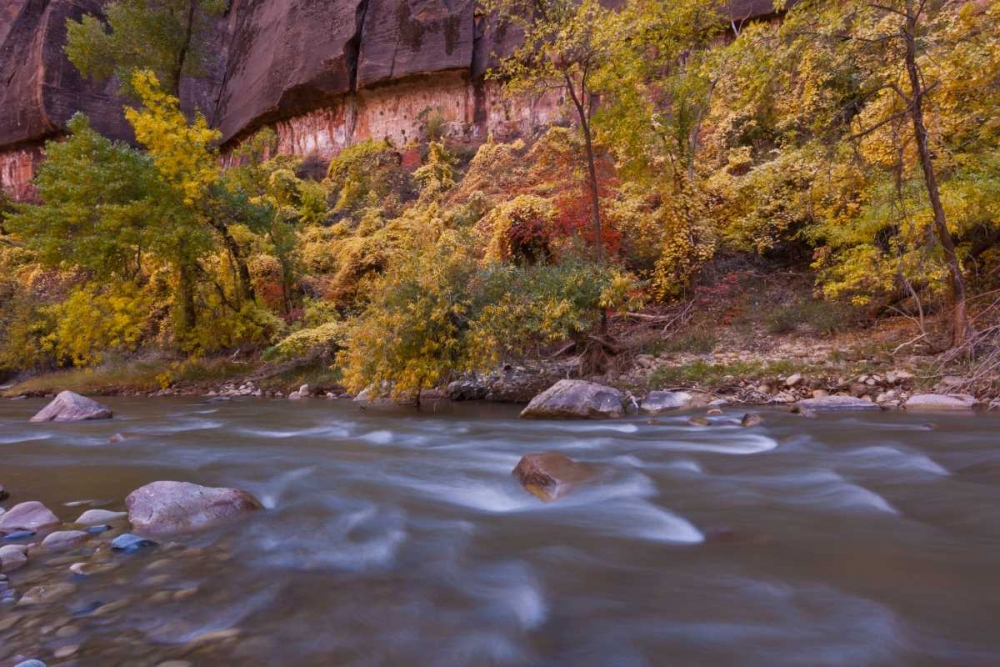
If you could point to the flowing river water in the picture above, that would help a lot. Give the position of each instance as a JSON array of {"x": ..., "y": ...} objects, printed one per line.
[{"x": 401, "y": 538}]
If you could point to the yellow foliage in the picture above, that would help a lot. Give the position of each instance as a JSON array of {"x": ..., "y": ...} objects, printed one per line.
[{"x": 181, "y": 151}]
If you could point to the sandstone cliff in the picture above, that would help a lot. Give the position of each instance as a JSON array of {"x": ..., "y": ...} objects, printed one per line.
[{"x": 324, "y": 73}]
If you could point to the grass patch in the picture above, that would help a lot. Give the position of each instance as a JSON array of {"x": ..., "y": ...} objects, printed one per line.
[
  {"x": 703, "y": 373},
  {"x": 316, "y": 374},
  {"x": 134, "y": 375},
  {"x": 698, "y": 341}
]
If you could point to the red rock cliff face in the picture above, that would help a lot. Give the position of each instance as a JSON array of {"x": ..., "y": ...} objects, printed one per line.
[{"x": 323, "y": 73}]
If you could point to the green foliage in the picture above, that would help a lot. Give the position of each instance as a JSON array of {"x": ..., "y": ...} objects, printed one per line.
[
  {"x": 162, "y": 36},
  {"x": 412, "y": 331},
  {"x": 368, "y": 175}
]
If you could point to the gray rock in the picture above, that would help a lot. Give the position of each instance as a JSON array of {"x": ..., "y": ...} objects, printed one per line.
[
  {"x": 64, "y": 539},
  {"x": 940, "y": 402},
  {"x": 30, "y": 663},
  {"x": 836, "y": 403},
  {"x": 162, "y": 508},
  {"x": 27, "y": 516},
  {"x": 71, "y": 407},
  {"x": 97, "y": 517},
  {"x": 576, "y": 399},
  {"x": 658, "y": 402},
  {"x": 12, "y": 558}
]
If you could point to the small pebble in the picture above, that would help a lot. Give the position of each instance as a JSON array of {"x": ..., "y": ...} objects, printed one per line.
[
  {"x": 94, "y": 530},
  {"x": 30, "y": 663},
  {"x": 67, "y": 631},
  {"x": 66, "y": 651}
]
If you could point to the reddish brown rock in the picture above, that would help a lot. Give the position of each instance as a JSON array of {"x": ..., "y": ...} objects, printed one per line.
[
  {"x": 551, "y": 475},
  {"x": 163, "y": 508}
]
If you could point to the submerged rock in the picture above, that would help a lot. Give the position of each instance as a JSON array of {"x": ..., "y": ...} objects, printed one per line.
[
  {"x": 751, "y": 419},
  {"x": 177, "y": 507},
  {"x": 3, "y": 493},
  {"x": 12, "y": 557},
  {"x": 130, "y": 543},
  {"x": 97, "y": 517},
  {"x": 940, "y": 402},
  {"x": 576, "y": 399},
  {"x": 72, "y": 407},
  {"x": 658, "y": 402},
  {"x": 836, "y": 403},
  {"x": 30, "y": 515},
  {"x": 47, "y": 593},
  {"x": 551, "y": 475},
  {"x": 64, "y": 539}
]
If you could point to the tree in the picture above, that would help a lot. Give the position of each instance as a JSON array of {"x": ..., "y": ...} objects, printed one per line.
[
  {"x": 166, "y": 37},
  {"x": 565, "y": 44},
  {"x": 891, "y": 53}
]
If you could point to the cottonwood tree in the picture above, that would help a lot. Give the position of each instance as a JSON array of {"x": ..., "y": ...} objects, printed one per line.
[
  {"x": 891, "y": 59},
  {"x": 565, "y": 43},
  {"x": 166, "y": 37}
]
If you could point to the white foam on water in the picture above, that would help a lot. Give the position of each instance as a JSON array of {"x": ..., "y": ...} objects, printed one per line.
[
  {"x": 15, "y": 439},
  {"x": 883, "y": 458},
  {"x": 274, "y": 488},
  {"x": 747, "y": 443},
  {"x": 378, "y": 437},
  {"x": 829, "y": 490},
  {"x": 687, "y": 465},
  {"x": 281, "y": 434}
]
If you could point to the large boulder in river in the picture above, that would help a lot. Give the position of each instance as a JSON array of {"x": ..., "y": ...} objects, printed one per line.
[
  {"x": 576, "y": 399},
  {"x": 658, "y": 402},
  {"x": 31, "y": 515},
  {"x": 940, "y": 402},
  {"x": 71, "y": 407},
  {"x": 551, "y": 475},
  {"x": 162, "y": 508},
  {"x": 836, "y": 404}
]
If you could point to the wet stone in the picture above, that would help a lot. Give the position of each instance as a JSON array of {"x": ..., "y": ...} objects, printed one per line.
[
  {"x": 64, "y": 539},
  {"x": 30, "y": 663},
  {"x": 19, "y": 535},
  {"x": 98, "y": 516},
  {"x": 46, "y": 593},
  {"x": 129, "y": 543},
  {"x": 96, "y": 530}
]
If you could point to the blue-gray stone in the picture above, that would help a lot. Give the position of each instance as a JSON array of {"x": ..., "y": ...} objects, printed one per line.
[
  {"x": 20, "y": 535},
  {"x": 130, "y": 543},
  {"x": 98, "y": 529},
  {"x": 30, "y": 663}
]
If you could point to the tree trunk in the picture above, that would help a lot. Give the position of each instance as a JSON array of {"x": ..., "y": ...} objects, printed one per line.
[
  {"x": 246, "y": 291},
  {"x": 189, "y": 316},
  {"x": 960, "y": 327},
  {"x": 579, "y": 101},
  {"x": 182, "y": 54}
]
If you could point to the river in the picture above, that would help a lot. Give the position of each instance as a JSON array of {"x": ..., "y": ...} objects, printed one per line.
[{"x": 401, "y": 538}]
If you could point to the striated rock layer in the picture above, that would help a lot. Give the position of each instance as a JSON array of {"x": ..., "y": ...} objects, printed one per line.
[{"x": 324, "y": 73}]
